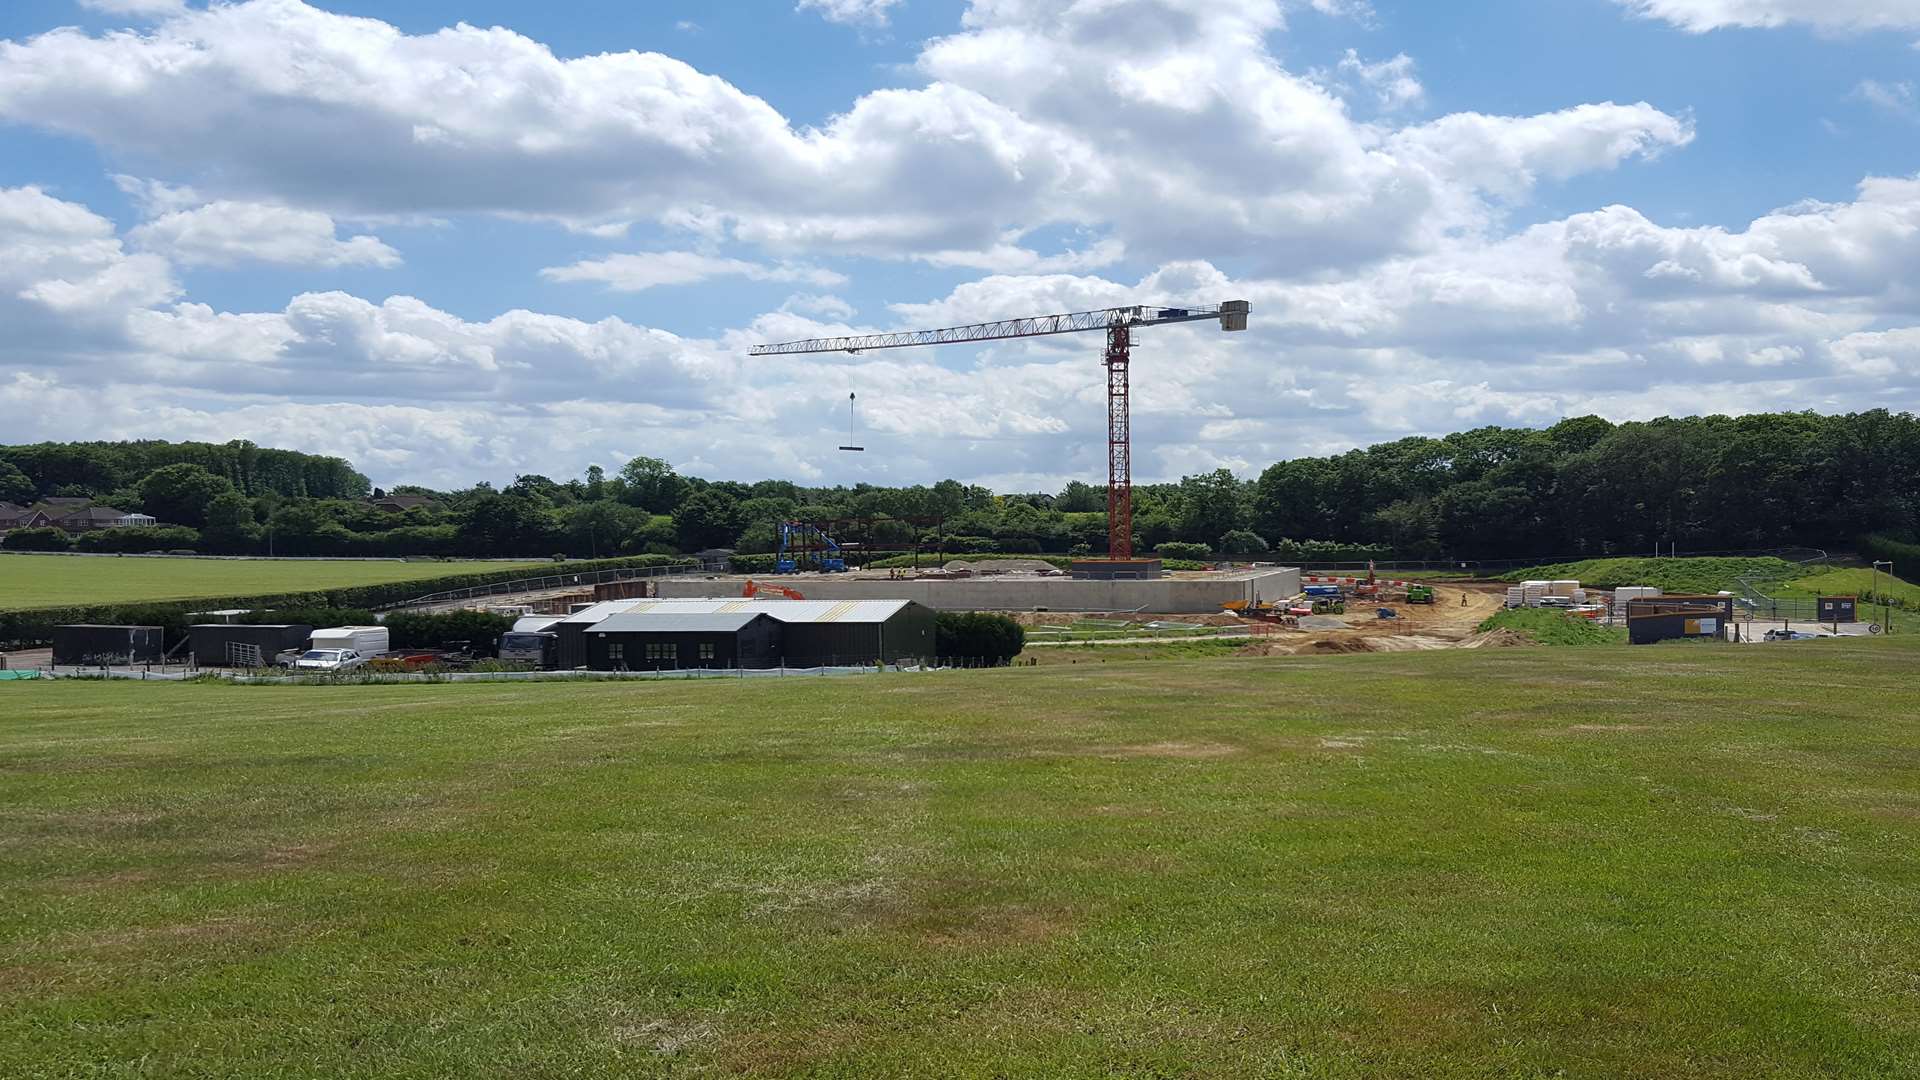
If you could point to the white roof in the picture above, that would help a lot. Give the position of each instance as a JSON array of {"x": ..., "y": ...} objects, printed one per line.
[{"x": 787, "y": 611}]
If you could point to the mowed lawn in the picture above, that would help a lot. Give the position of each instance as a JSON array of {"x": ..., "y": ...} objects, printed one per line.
[
  {"x": 38, "y": 581},
  {"x": 1669, "y": 862},
  {"x": 1857, "y": 582}
]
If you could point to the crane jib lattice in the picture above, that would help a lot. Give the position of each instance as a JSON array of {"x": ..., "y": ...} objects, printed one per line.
[{"x": 1036, "y": 326}]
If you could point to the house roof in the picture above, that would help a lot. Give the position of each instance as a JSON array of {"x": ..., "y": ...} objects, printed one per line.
[
  {"x": 678, "y": 623},
  {"x": 92, "y": 513}
]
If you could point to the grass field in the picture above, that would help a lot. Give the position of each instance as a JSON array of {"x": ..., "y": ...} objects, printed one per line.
[
  {"x": 1550, "y": 627},
  {"x": 1853, "y": 582},
  {"x": 1690, "y": 575},
  {"x": 38, "y": 581},
  {"x": 1664, "y": 862}
]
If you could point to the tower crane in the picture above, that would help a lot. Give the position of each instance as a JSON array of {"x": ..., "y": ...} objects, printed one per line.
[{"x": 1119, "y": 324}]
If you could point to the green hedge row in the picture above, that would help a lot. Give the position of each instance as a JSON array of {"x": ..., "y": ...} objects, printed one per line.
[
  {"x": 978, "y": 635},
  {"x": 1904, "y": 555},
  {"x": 20, "y": 628}
]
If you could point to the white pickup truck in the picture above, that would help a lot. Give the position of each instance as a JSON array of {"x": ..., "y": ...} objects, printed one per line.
[{"x": 328, "y": 660}]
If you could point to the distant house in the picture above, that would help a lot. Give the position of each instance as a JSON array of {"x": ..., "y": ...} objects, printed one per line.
[
  {"x": 22, "y": 517},
  {"x": 87, "y": 519},
  {"x": 400, "y": 504},
  {"x": 136, "y": 521}
]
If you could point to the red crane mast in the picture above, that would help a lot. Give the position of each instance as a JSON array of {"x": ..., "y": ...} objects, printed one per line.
[{"x": 1119, "y": 324}]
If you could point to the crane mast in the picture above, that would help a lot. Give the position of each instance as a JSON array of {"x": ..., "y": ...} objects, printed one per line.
[{"x": 1119, "y": 324}]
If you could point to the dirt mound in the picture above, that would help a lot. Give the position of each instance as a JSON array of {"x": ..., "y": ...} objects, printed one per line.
[
  {"x": 1499, "y": 639},
  {"x": 1002, "y": 566},
  {"x": 1340, "y": 645}
]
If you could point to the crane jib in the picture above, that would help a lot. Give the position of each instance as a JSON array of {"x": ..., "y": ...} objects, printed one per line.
[{"x": 1037, "y": 326}]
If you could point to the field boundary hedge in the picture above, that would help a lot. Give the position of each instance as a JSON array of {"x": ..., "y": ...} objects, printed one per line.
[{"x": 33, "y": 626}]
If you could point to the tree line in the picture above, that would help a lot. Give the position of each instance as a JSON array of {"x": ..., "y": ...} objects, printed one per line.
[{"x": 1582, "y": 486}]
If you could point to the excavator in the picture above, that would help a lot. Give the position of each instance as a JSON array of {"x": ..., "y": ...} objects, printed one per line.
[{"x": 756, "y": 590}]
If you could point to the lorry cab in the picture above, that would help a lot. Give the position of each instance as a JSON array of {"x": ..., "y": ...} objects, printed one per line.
[{"x": 539, "y": 648}]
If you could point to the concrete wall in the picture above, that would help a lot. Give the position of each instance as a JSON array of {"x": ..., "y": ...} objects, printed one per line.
[{"x": 1167, "y": 596}]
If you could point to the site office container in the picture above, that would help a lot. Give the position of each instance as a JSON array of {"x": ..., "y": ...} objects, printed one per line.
[
  {"x": 231, "y": 644},
  {"x": 89, "y": 643},
  {"x": 1663, "y": 618},
  {"x": 1839, "y": 609}
]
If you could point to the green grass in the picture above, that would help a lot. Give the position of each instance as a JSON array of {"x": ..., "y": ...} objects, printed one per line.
[
  {"x": 1580, "y": 863},
  {"x": 39, "y": 581},
  {"x": 1549, "y": 627},
  {"x": 1667, "y": 575},
  {"x": 1855, "y": 582}
]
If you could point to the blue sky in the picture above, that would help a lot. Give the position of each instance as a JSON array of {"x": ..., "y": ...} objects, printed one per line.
[{"x": 455, "y": 254}]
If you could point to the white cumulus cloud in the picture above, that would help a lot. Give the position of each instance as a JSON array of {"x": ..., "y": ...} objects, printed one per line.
[
  {"x": 1700, "y": 16},
  {"x": 229, "y": 233},
  {"x": 639, "y": 272}
]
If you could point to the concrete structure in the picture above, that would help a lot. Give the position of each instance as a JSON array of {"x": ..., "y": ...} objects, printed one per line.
[{"x": 1195, "y": 595}]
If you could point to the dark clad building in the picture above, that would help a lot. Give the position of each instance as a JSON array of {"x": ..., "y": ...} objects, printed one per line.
[
  {"x": 663, "y": 641},
  {"x": 90, "y": 644},
  {"x": 243, "y": 645}
]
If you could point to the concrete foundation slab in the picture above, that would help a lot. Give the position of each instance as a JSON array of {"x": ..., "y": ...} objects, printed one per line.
[{"x": 1192, "y": 595}]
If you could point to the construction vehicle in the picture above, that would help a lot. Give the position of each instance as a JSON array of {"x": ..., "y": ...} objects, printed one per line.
[
  {"x": 804, "y": 547},
  {"x": 755, "y": 590},
  {"x": 1119, "y": 325},
  {"x": 1372, "y": 587},
  {"x": 1261, "y": 611},
  {"x": 1420, "y": 594},
  {"x": 1323, "y": 606}
]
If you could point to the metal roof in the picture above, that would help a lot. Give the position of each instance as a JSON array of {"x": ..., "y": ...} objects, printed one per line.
[
  {"x": 675, "y": 623},
  {"x": 787, "y": 611}
]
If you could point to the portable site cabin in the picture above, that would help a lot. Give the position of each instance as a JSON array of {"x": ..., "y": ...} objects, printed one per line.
[
  {"x": 243, "y": 645},
  {"x": 658, "y": 641},
  {"x": 91, "y": 644},
  {"x": 365, "y": 640},
  {"x": 1664, "y": 618}
]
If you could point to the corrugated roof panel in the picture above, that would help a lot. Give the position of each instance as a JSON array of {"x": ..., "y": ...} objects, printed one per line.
[{"x": 676, "y": 623}]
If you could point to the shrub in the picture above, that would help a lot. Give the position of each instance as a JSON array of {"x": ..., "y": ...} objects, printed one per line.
[
  {"x": 1242, "y": 542},
  {"x": 435, "y": 630},
  {"x": 993, "y": 639},
  {"x": 1175, "y": 549},
  {"x": 139, "y": 538},
  {"x": 37, "y": 540},
  {"x": 1019, "y": 545}
]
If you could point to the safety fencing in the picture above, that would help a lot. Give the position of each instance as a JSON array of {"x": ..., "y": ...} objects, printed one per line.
[
  {"x": 542, "y": 583},
  {"x": 178, "y": 673}
]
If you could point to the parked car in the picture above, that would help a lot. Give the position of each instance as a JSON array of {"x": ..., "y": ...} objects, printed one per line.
[
  {"x": 329, "y": 660},
  {"x": 1790, "y": 635}
]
